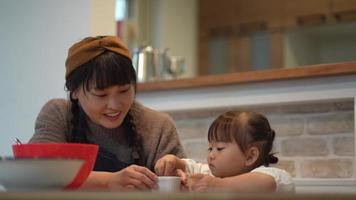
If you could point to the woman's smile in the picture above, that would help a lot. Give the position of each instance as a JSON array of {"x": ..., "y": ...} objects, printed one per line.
[{"x": 112, "y": 116}]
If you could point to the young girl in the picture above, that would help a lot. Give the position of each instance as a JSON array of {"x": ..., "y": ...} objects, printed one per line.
[
  {"x": 102, "y": 110},
  {"x": 239, "y": 155}
]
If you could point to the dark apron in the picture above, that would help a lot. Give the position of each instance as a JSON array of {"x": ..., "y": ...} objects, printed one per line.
[{"x": 107, "y": 161}]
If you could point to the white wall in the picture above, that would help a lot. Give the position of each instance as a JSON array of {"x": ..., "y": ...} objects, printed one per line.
[
  {"x": 34, "y": 38},
  {"x": 176, "y": 29},
  {"x": 171, "y": 24},
  {"x": 103, "y": 17}
]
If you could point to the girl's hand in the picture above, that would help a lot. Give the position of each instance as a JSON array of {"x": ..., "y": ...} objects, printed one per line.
[
  {"x": 184, "y": 180},
  {"x": 183, "y": 176},
  {"x": 202, "y": 182},
  {"x": 167, "y": 165},
  {"x": 132, "y": 178}
]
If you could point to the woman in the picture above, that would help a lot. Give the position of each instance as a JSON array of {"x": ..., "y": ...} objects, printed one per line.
[{"x": 101, "y": 82}]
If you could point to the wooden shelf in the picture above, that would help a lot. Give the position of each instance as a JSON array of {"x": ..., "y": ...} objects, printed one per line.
[{"x": 252, "y": 76}]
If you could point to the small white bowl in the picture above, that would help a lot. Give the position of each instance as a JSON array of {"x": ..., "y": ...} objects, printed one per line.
[
  {"x": 168, "y": 184},
  {"x": 38, "y": 174}
]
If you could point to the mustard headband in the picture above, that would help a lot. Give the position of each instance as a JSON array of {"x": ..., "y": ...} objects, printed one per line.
[{"x": 91, "y": 47}]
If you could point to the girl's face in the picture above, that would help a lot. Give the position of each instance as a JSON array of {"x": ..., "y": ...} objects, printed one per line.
[
  {"x": 106, "y": 107},
  {"x": 226, "y": 159}
]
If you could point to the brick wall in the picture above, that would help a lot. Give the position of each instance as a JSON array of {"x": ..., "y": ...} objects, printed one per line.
[{"x": 313, "y": 140}]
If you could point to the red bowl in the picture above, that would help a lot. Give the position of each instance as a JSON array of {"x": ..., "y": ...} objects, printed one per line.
[{"x": 86, "y": 152}]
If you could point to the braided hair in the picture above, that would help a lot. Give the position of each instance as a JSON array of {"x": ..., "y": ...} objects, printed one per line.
[
  {"x": 246, "y": 129},
  {"x": 106, "y": 70}
]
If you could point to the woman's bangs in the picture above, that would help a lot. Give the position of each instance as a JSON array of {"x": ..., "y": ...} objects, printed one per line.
[
  {"x": 110, "y": 72},
  {"x": 110, "y": 76}
]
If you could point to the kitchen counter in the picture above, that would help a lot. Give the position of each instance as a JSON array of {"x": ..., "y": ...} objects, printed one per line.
[
  {"x": 315, "y": 83},
  {"x": 95, "y": 195},
  {"x": 322, "y": 70}
]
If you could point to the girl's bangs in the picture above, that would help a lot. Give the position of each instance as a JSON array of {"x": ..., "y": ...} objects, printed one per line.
[{"x": 221, "y": 131}]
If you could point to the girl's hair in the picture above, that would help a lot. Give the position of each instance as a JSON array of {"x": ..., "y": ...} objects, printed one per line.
[
  {"x": 106, "y": 70},
  {"x": 246, "y": 129}
]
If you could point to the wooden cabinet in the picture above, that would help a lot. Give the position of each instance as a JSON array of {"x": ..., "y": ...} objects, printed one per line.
[
  {"x": 343, "y": 5},
  {"x": 215, "y": 15},
  {"x": 255, "y": 12},
  {"x": 240, "y": 54},
  {"x": 343, "y": 10},
  {"x": 316, "y": 12},
  {"x": 236, "y": 21},
  {"x": 305, "y": 12},
  {"x": 215, "y": 19},
  {"x": 239, "y": 13}
]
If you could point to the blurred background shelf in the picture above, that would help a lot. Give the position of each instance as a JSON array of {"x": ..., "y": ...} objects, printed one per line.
[{"x": 252, "y": 76}]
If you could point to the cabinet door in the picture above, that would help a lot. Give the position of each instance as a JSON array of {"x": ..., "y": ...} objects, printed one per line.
[
  {"x": 267, "y": 12},
  {"x": 216, "y": 21},
  {"x": 344, "y": 10},
  {"x": 305, "y": 12},
  {"x": 214, "y": 13}
]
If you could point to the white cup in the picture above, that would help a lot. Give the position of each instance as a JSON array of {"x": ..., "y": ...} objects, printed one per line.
[{"x": 168, "y": 184}]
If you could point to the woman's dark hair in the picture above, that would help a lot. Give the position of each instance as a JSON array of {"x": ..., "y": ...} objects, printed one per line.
[
  {"x": 106, "y": 70},
  {"x": 246, "y": 129}
]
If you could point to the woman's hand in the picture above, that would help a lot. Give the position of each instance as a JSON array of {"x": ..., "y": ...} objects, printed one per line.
[
  {"x": 202, "y": 182},
  {"x": 132, "y": 178},
  {"x": 168, "y": 165}
]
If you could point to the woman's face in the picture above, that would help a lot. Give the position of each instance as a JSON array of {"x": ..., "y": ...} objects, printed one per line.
[
  {"x": 226, "y": 159},
  {"x": 106, "y": 107}
]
